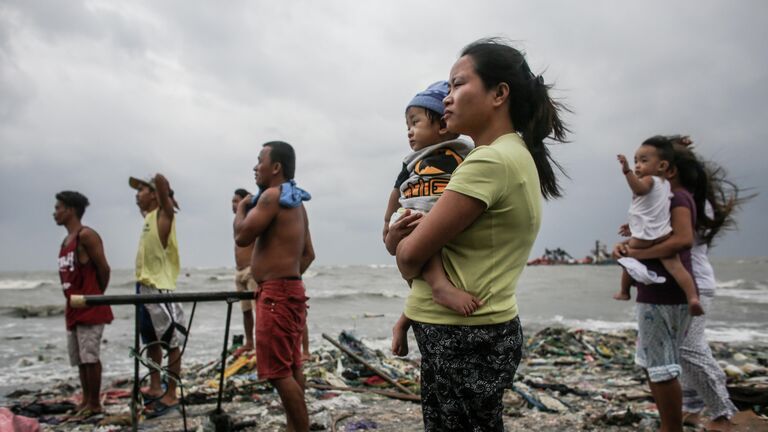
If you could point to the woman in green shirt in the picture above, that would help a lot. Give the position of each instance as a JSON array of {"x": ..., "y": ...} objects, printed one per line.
[{"x": 483, "y": 226}]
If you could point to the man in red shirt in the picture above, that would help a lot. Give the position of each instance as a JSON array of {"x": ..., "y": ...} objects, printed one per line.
[{"x": 83, "y": 270}]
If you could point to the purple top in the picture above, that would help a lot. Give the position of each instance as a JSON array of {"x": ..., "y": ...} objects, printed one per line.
[{"x": 669, "y": 292}]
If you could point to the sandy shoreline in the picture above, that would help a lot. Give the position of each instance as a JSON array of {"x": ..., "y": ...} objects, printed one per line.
[{"x": 570, "y": 379}]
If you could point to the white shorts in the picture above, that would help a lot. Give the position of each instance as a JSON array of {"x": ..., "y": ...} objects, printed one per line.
[
  {"x": 244, "y": 282},
  {"x": 161, "y": 322},
  {"x": 84, "y": 344}
]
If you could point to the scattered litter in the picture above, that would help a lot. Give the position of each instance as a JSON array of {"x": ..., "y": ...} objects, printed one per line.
[{"x": 570, "y": 379}]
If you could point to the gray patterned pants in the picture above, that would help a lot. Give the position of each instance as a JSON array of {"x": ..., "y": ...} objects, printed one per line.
[
  {"x": 703, "y": 381},
  {"x": 660, "y": 333},
  {"x": 464, "y": 371}
]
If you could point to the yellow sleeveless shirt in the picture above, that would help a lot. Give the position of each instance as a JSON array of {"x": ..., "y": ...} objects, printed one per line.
[{"x": 156, "y": 266}]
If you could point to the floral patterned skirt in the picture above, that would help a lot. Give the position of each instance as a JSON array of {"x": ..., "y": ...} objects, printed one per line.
[{"x": 464, "y": 371}]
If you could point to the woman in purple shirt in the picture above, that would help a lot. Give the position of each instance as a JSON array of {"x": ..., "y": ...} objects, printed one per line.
[
  {"x": 715, "y": 199},
  {"x": 662, "y": 311}
]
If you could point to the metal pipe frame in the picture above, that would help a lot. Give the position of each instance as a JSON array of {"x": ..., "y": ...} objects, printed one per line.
[{"x": 79, "y": 301}]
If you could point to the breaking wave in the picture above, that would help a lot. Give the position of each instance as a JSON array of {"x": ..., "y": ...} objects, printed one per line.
[{"x": 22, "y": 284}]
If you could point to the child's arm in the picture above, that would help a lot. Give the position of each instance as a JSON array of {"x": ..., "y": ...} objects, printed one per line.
[
  {"x": 392, "y": 205},
  {"x": 639, "y": 186}
]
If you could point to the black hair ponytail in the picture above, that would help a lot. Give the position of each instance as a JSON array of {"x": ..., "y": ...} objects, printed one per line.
[
  {"x": 534, "y": 114},
  {"x": 544, "y": 123}
]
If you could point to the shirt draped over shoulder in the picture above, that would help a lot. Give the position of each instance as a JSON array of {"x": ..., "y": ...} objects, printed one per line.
[{"x": 487, "y": 258}]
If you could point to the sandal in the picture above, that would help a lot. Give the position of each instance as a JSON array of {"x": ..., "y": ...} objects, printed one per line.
[
  {"x": 83, "y": 415},
  {"x": 148, "y": 399},
  {"x": 160, "y": 409},
  {"x": 73, "y": 411}
]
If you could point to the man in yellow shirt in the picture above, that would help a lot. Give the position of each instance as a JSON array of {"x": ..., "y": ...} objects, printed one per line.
[{"x": 157, "y": 268}]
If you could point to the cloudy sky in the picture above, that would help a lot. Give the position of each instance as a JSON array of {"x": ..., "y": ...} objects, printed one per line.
[{"x": 92, "y": 92}]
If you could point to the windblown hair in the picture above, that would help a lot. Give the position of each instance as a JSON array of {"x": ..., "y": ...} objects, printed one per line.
[
  {"x": 74, "y": 200},
  {"x": 708, "y": 182},
  {"x": 534, "y": 114}
]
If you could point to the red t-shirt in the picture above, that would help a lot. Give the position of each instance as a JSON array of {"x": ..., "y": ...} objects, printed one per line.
[
  {"x": 669, "y": 292},
  {"x": 80, "y": 279}
]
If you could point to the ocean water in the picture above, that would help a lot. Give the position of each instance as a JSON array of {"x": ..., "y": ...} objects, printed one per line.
[{"x": 364, "y": 299}]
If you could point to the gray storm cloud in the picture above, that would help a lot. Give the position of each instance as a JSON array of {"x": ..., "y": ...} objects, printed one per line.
[{"x": 92, "y": 92}]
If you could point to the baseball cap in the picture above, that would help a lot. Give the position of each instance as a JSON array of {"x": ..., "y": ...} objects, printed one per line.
[{"x": 137, "y": 183}]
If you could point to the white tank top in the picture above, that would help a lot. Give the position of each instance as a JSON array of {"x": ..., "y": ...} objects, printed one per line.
[
  {"x": 702, "y": 268},
  {"x": 649, "y": 217}
]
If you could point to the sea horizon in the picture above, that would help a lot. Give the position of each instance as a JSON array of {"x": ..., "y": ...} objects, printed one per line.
[{"x": 365, "y": 299}]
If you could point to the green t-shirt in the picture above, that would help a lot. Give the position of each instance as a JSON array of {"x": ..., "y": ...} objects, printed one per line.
[{"x": 486, "y": 259}]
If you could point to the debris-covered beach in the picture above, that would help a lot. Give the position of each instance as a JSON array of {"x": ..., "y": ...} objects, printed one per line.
[
  {"x": 570, "y": 379},
  {"x": 577, "y": 371}
]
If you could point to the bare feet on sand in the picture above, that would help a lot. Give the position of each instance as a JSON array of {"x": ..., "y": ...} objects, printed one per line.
[
  {"x": 455, "y": 299},
  {"x": 79, "y": 407},
  {"x": 694, "y": 307}
]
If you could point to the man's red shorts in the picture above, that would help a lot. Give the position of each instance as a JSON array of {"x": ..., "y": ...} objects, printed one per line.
[{"x": 281, "y": 315}]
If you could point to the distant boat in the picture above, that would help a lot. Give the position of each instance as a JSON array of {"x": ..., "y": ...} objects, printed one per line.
[{"x": 598, "y": 256}]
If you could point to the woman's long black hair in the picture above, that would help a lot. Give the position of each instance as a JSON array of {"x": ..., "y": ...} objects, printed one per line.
[
  {"x": 708, "y": 182},
  {"x": 534, "y": 114}
]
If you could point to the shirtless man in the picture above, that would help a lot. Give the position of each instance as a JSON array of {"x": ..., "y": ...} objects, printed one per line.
[
  {"x": 283, "y": 251},
  {"x": 244, "y": 278}
]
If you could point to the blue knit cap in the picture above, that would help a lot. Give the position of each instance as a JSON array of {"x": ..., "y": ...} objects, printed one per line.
[{"x": 431, "y": 98}]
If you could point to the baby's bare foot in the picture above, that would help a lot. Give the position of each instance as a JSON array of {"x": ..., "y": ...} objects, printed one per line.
[
  {"x": 455, "y": 299},
  {"x": 622, "y": 296}
]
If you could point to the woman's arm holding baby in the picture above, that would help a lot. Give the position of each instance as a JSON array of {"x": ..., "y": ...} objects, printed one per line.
[
  {"x": 681, "y": 239},
  {"x": 451, "y": 215}
]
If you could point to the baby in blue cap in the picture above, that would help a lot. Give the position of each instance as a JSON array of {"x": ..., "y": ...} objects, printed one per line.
[{"x": 426, "y": 171}]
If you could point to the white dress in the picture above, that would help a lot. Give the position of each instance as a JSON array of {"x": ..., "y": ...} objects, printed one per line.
[{"x": 649, "y": 217}]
